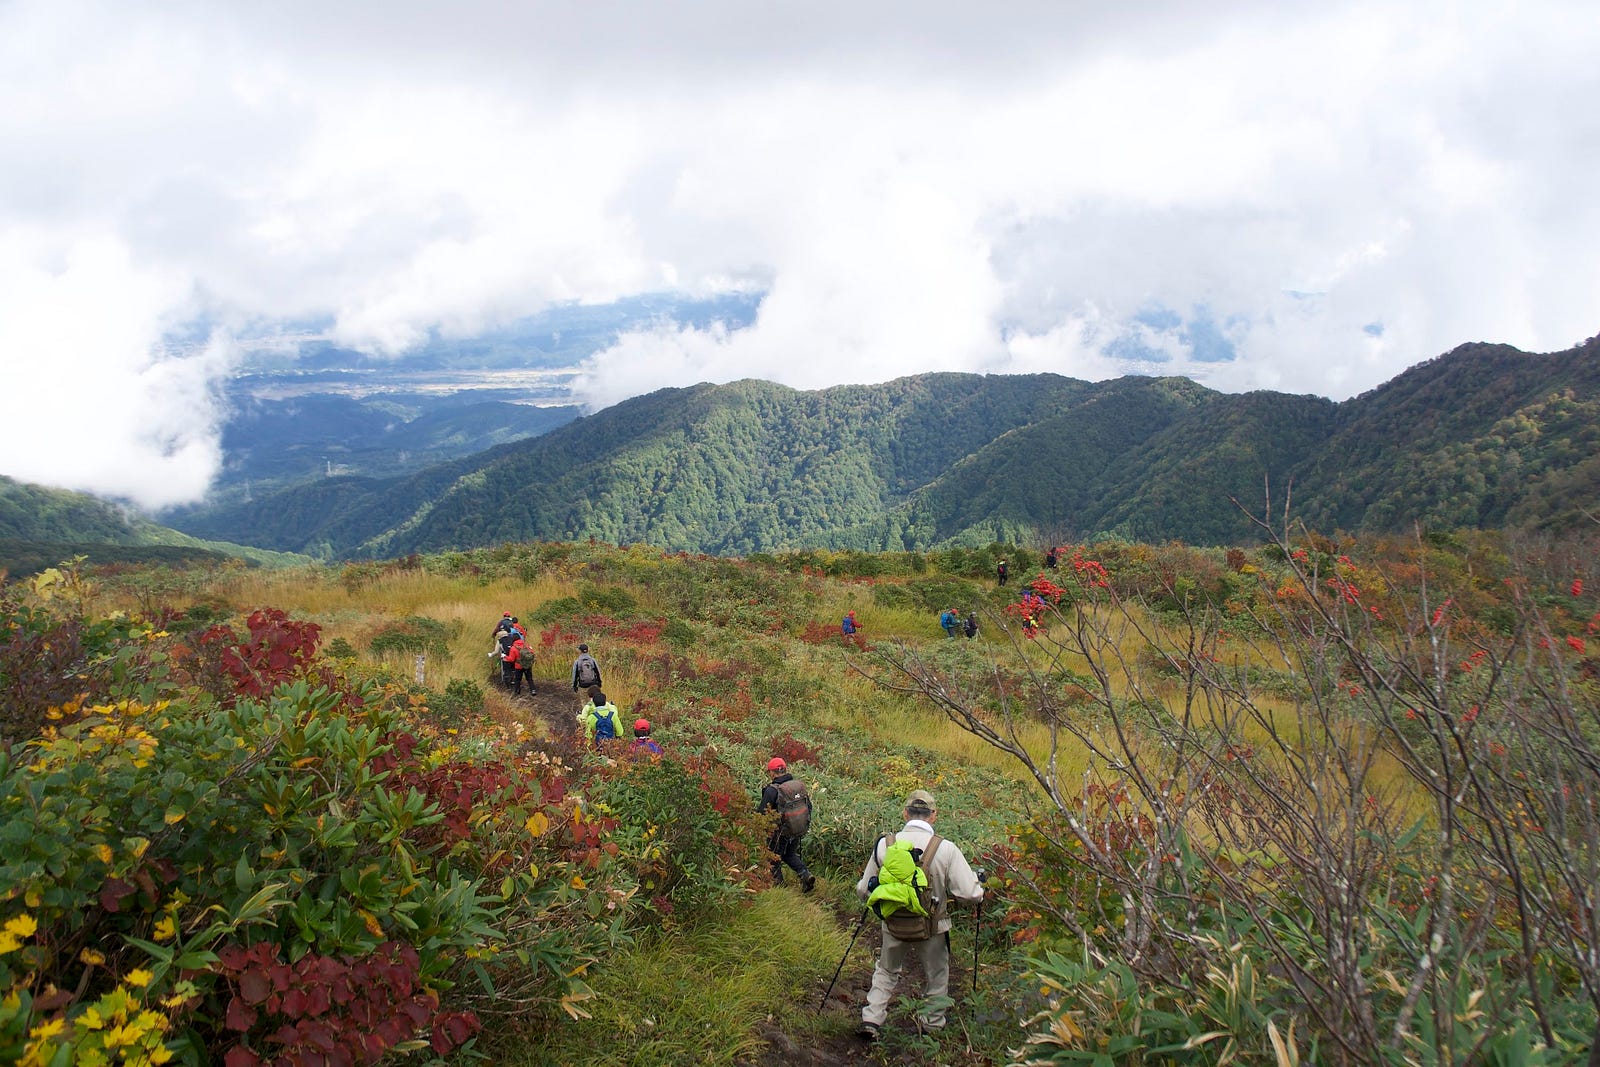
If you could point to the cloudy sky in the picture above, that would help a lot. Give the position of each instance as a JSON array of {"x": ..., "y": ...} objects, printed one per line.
[{"x": 1307, "y": 198}]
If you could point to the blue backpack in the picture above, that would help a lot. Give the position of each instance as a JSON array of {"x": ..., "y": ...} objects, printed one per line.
[{"x": 605, "y": 724}]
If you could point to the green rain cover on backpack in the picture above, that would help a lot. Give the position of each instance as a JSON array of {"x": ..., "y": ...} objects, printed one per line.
[{"x": 903, "y": 898}]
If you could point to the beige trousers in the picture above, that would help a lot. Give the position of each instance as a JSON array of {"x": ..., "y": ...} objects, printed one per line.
[{"x": 935, "y": 954}]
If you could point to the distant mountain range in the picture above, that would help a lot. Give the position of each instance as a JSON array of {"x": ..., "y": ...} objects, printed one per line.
[{"x": 1484, "y": 435}]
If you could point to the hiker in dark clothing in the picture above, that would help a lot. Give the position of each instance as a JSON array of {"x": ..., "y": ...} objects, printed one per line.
[
  {"x": 784, "y": 795},
  {"x": 970, "y": 628},
  {"x": 1001, "y": 572},
  {"x": 585, "y": 671},
  {"x": 1051, "y": 557},
  {"x": 508, "y": 662}
]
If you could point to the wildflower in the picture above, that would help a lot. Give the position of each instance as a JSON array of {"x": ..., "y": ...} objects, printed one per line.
[
  {"x": 1576, "y": 644},
  {"x": 139, "y": 977},
  {"x": 1577, "y": 587}
]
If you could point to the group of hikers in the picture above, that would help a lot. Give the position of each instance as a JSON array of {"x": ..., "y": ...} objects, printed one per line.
[{"x": 907, "y": 882}]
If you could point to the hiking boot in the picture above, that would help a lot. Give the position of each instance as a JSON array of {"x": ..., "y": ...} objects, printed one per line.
[
  {"x": 867, "y": 1032},
  {"x": 808, "y": 882}
]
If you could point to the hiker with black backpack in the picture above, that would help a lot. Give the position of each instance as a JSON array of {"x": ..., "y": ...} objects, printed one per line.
[
  {"x": 908, "y": 882},
  {"x": 585, "y": 671},
  {"x": 788, "y": 797}
]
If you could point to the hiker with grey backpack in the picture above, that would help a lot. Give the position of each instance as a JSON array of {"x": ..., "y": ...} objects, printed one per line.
[
  {"x": 908, "y": 882},
  {"x": 788, "y": 797}
]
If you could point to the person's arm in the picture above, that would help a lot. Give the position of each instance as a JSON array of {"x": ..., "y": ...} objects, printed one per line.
[
  {"x": 769, "y": 798},
  {"x": 960, "y": 882}
]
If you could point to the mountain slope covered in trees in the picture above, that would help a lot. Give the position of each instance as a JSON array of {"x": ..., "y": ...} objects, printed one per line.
[
  {"x": 40, "y": 527},
  {"x": 1483, "y": 435}
]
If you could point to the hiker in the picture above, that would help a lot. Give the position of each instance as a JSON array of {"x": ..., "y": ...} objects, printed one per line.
[
  {"x": 1001, "y": 572},
  {"x": 585, "y": 671},
  {"x": 787, "y": 796},
  {"x": 849, "y": 627},
  {"x": 947, "y": 620},
  {"x": 1050, "y": 558},
  {"x": 508, "y": 664},
  {"x": 520, "y": 660},
  {"x": 970, "y": 628},
  {"x": 948, "y": 877},
  {"x": 598, "y": 718},
  {"x": 642, "y": 745}
]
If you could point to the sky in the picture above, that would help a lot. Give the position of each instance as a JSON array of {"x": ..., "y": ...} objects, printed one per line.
[{"x": 1306, "y": 198}]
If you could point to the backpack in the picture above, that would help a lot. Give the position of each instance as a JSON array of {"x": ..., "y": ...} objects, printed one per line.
[
  {"x": 605, "y": 723},
  {"x": 794, "y": 809},
  {"x": 904, "y": 897},
  {"x": 588, "y": 672}
]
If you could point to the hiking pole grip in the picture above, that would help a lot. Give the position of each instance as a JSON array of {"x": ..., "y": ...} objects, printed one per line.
[{"x": 859, "y": 924}]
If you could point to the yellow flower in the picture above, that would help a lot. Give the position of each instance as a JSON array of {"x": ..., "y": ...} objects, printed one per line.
[
  {"x": 139, "y": 977},
  {"x": 91, "y": 957},
  {"x": 48, "y": 1030},
  {"x": 90, "y": 1019},
  {"x": 23, "y": 925},
  {"x": 166, "y": 929},
  {"x": 8, "y": 943}
]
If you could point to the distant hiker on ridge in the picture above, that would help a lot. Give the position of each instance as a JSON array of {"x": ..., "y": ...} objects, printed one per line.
[
  {"x": 1001, "y": 572},
  {"x": 585, "y": 671}
]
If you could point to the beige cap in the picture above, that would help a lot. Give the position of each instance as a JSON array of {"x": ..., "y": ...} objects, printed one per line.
[{"x": 921, "y": 797}]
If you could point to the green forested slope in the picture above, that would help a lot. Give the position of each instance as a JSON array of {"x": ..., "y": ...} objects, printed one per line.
[
  {"x": 1484, "y": 435},
  {"x": 40, "y": 527}
]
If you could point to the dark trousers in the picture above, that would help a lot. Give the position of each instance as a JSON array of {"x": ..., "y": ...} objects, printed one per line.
[
  {"x": 788, "y": 852},
  {"x": 523, "y": 672}
]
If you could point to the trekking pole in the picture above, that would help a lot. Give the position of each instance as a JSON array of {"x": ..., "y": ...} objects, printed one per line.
[
  {"x": 977, "y": 929},
  {"x": 864, "y": 913}
]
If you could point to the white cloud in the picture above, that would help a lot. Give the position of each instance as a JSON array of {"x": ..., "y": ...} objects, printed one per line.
[
  {"x": 915, "y": 187},
  {"x": 97, "y": 404}
]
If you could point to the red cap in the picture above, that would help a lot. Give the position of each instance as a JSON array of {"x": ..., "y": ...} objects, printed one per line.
[
  {"x": 776, "y": 764},
  {"x": 642, "y": 724},
  {"x": 505, "y": 615}
]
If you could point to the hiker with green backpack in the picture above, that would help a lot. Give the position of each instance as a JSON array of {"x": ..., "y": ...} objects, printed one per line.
[{"x": 908, "y": 882}]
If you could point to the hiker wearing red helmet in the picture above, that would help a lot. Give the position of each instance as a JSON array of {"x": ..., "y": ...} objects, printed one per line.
[
  {"x": 641, "y": 739},
  {"x": 787, "y": 796}
]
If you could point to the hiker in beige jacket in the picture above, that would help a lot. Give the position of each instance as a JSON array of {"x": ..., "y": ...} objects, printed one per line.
[{"x": 951, "y": 878}]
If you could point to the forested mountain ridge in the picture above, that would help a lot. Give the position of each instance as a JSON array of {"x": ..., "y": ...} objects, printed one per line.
[
  {"x": 40, "y": 527},
  {"x": 1482, "y": 435}
]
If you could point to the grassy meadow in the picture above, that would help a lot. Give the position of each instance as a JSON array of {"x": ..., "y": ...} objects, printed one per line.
[{"x": 1317, "y": 802}]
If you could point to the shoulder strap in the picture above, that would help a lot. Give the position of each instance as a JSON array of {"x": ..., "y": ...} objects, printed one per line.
[{"x": 927, "y": 853}]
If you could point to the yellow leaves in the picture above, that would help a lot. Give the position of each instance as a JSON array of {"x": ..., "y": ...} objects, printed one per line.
[
  {"x": 138, "y": 977},
  {"x": 91, "y": 1019},
  {"x": 15, "y": 931},
  {"x": 102, "y": 852},
  {"x": 570, "y": 1001},
  {"x": 45, "y": 1031},
  {"x": 89, "y": 957},
  {"x": 578, "y": 882},
  {"x": 174, "y": 816},
  {"x": 166, "y": 928},
  {"x": 538, "y": 824},
  {"x": 371, "y": 921}
]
